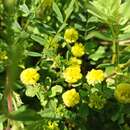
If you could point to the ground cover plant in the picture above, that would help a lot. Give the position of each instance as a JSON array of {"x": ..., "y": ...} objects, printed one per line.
[{"x": 64, "y": 65}]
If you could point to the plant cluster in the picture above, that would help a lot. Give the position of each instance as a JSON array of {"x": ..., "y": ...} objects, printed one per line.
[{"x": 64, "y": 64}]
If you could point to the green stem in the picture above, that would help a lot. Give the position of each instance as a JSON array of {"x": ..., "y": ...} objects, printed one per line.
[
  {"x": 113, "y": 53},
  {"x": 127, "y": 64},
  {"x": 9, "y": 12},
  {"x": 115, "y": 56}
]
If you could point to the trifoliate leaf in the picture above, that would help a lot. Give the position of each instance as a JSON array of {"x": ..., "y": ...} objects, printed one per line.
[
  {"x": 98, "y": 54},
  {"x": 31, "y": 91},
  {"x": 55, "y": 90}
]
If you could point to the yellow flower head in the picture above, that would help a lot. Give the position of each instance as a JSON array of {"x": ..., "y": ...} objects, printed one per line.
[
  {"x": 122, "y": 93},
  {"x": 71, "y": 35},
  {"x": 78, "y": 50},
  {"x": 29, "y": 76},
  {"x": 95, "y": 77},
  {"x": 71, "y": 98},
  {"x": 72, "y": 74},
  {"x": 75, "y": 61}
]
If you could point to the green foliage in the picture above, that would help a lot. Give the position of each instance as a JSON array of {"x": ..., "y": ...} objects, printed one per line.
[
  {"x": 32, "y": 36},
  {"x": 98, "y": 54},
  {"x": 58, "y": 13},
  {"x": 24, "y": 115},
  {"x": 55, "y": 90}
]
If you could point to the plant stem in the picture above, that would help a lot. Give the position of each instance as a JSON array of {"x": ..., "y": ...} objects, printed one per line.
[
  {"x": 9, "y": 101},
  {"x": 113, "y": 53},
  {"x": 9, "y": 12},
  {"x": 115, "y": 56}
]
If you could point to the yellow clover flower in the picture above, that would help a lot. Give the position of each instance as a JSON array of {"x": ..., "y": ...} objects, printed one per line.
[
  {"x": 78, "y": 50},
  {"x": 71, "y": 35},
  {"x": 71, "y": 98},
  {"x": 75, "y": 61},
  {"x": 72, "y": 74},
  {"x": 122, "y": 93},
  {"x": 95, "y": 77},
  {"x": 29, "y": 76}
]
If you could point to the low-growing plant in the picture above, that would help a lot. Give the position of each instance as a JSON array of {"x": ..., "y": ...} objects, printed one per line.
[{"x": 64, "y": 65}]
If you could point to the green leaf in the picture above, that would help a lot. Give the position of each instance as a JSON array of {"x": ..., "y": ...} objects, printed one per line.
[
  {"x": 24, "y": 115},
  {"x": 37, "y": 125},
  {"x": 1, "y": 95},
  {"x": 1, "y": 126},
  {"x": 57, "y": 11},
  {"x": 83, "y": 18},
  {"x": 126, "y": 11},
  {"x": 94, "y": 11},
  {"x": 110, "y": 70},
  {"x": 2, "y": 118},
  {"x": 124, "y": 36},
  {"x": 50, "y": 115},
  {"x": 98, "y": 54},
  {"x": 38, "y": 39},
  {"x": 70, "y": 8},
  {"x": 57, "y": 89},
  {"x": 31, "y": 91},
  {"x": 33, "y": 54},
  {"x": 118, "y": 115},
  {"x": 62, "y": 27},
  {"x": 84, "y": 110},
  {"x": 98, "y": 35},
  {"x": 105, "y": 65},
  {"x": 106, "y": 10},
  {"x": 24, "y": 9}
]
